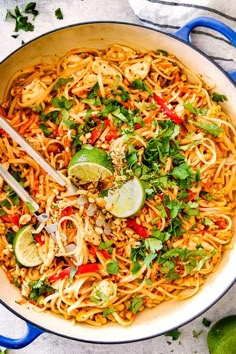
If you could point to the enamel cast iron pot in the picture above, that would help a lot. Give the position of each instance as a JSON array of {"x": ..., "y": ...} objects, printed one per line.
[{"x": 171, "y": 314}]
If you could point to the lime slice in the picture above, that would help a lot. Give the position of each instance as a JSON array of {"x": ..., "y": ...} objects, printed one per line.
[
  {"x": 221, "y": 337},
  {"x": 90, "y": 164},
  {"x": 25, "y": 248},
  {"x": 127, "y": 200}
]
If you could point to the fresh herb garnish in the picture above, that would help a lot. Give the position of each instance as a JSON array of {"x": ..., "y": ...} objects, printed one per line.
[
  {"x": 195, "y": 110},
  {"x": 59, "y": 14},
  {"x": 218, "y": 97},
  {"x": 174, "y": 334},
  {"x": 108, "y": 311},
  {"x": 60, "y": 82},
  {"x": 206, "y": 322},
  {"x": 21, "y": 21},
  {"x": 39, "y": 288},
  {"x": 210, "y": 128},
  {"x": 135, "y": 304},
  {"x": 112, "y": 267}
]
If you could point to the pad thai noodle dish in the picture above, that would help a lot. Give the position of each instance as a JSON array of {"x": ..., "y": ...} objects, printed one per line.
[{"x": 148, "y": 156}]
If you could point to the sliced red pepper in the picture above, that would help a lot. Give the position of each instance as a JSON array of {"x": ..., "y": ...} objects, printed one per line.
[
  {"x": 67, "y": 211},
  {"x": 13, "y": 219},
  {"x": 97, "y": 131},
  {"x": 40, "y": 239},
  {"x": 82, "y": 269},
  {"x": 105, "y": 254},
  {"x": 170, "y": 114},
  {"x": 112, "y": 134},
  {"x": 191, "y": 195},
  {"x": 139, "y": 229},
  {"x": 93, "y": 250}
]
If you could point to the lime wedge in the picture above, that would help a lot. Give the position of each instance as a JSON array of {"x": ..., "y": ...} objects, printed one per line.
[
  {"x": 25, "y": 249},
  {"x": 90, "y": 164},
  {"x": 221, "y": 337},
  {"x": 127, "y": 200}
]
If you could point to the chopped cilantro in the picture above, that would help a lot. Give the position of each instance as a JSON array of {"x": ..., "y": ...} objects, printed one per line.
[
  {"x": 196, "y": 334},
  {"x": 174, "y": 334},
  {"x": 45, "y": 129},
  {"x": 210, "y": 128},
  {"x": 59, "y": 14},
  {"x": 60, "y": 82},
  {"x": 140, "y": 85},
  {"x": 163, "y": 52},
  {"x": 206, "y": 322},
  {"x": 112, "y": 267},
  {"x": 218, "y": 97},
  {"x": 106, "y": 246},
  {"x": 108, "y": 311},
  {"x": 135, "y": 304},
  {"x": 39, "y": 288},
  {"x": 21, "y": 21},
  {"x": 196, "y": 111}
]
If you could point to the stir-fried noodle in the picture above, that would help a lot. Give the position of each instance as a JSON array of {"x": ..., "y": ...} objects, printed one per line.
[{"x": 158, "y": 121}]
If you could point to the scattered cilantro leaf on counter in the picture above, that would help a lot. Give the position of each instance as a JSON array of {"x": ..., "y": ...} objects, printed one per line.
[
  {"x": 175, "y": 334},
  {"x": 31, "y": 9},
  {"x": 218, "y": 97},
  {"x": 206, "y": 322},
  {"x": 59, "y": 14},
  {"x": 21, "y": 21}
]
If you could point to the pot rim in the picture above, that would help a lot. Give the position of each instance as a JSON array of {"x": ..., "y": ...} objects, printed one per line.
[
  {"x": 45, "y": 330},
  {"x": 226, "y": 289},
  {"x": 172, "y": 35}
]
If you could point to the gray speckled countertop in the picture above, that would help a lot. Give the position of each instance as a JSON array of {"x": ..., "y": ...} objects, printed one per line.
[{"x": 81, "y": 11}]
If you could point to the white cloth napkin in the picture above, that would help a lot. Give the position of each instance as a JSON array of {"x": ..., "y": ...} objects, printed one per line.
[{"x": 168, "y": 16}]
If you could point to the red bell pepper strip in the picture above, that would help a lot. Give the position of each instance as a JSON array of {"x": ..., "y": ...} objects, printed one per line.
[
  {"x": 97, "y": 131},
  {"x": 170, "y": 114},
  {"x": 13, "y": 219},
  {"x": 40, "y": 239},
  {"x": 112, "y": 134},
  {"x": 139, "y": 229},
  {"x": 191, "y": 195},
  {"x": 67, "y": 211},
  {"x": 82, "y": 269},
  {"x": 105, "y": 254}
]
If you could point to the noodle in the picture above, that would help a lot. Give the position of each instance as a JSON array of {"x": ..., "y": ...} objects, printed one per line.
[{"x": 155, "y": 123}]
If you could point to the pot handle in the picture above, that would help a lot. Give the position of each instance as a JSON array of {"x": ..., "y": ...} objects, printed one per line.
[
  {"x": 184, "y": 32},
  {"x": 31, "y": 334}
]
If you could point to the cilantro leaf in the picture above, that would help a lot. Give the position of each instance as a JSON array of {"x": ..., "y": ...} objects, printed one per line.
[
  {"x": 39, "y": 288},
  {"x": 107, "y": 311},
  {"x": 61, "y": 81},
  {"x": 31, "y": 9},
  {"x": 163, "y": 52},
  {"x": 182, "y": 171},
  {"x": 206, "y": 322},
  {"x": 59, "y": 14},
  {"x": 175, "y": 334},
  {"x": 112, "y": 267},
  {"x": 136, "y": 304},
  {"x": 196, "y": 111},
  {"x": 218, "y": 97},
  {"x": 45, "y": 129},
  {"x": 210, "y": 128},
  {"x": 21, "y": 22},
  {"x": 140, "y": 85}
]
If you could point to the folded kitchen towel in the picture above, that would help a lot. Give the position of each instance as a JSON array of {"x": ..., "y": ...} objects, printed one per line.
[{"x": 169, "y": 16}]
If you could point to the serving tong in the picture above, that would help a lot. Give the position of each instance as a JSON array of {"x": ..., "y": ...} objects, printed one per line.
[{"x": 11, "y": 181}]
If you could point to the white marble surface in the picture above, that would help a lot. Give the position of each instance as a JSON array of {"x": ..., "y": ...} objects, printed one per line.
[{"x": 79, "y": 11}]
